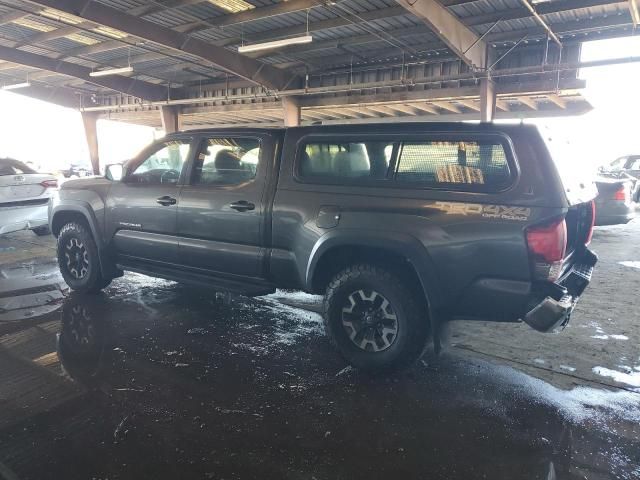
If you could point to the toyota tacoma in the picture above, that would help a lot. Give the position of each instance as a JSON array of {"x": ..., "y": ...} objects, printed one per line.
[{"x": 399, "y": 226}]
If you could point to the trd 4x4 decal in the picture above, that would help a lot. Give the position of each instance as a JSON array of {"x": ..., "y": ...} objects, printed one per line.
[{"x": 502, "y": 212}]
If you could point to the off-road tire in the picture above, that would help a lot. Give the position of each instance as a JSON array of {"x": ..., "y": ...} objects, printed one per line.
[
  {"x": 92, "y": 280},
  {"x": 41, "y": 231},
  {"x": 407, "y": 305}
]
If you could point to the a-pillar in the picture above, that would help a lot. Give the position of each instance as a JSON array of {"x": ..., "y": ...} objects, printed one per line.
[
  {"x": 487, "y": 100},
  {"x": 89, "y": 120},
  {"x": 170, "y": 115},
  {"x": 291, "y": 112}
]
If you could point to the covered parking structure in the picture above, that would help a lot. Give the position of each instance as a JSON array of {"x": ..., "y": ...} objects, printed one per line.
[{"x": 176, "y": 64}]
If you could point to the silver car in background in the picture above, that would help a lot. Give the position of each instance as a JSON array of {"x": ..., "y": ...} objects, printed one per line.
[
  {"x": 614, "y": 203},
  {"x": 24, "y": 197}
]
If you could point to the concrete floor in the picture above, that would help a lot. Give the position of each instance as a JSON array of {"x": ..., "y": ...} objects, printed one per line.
[{"x": 157, "y": 380}]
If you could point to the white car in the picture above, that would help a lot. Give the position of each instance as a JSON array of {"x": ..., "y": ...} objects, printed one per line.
[{"x": 24, "y": 197}]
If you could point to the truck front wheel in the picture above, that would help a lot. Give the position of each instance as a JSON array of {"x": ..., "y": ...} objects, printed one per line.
[
  {"x": 78, "y": 259},
  {"x": 374, "y": 318}
]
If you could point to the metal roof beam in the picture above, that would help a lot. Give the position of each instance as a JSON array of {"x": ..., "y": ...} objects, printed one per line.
[
  {"x": 542, "y": 9},
  {"x": 119, "y": 83},
  {"x": 323, "y": 25},
  {"x": 248, "y": 15},
  {"x": 154, "y": 7},
  {"x": 232, "y": 62},
  {"x": 56, "y": 95},
  {"x": 12, "y": 17},
  {"x": 529, "y": 102},
  {"x": 634, "y": 9},
  {"x": 472, "y": 20},
  {"x": 455, "y": 34}
]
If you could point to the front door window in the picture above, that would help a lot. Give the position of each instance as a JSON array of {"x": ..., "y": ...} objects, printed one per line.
[{"x": 164, "y": 166}]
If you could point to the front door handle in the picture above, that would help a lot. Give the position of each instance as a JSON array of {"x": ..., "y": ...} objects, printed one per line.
[
  {"x": 243, "y": 206},
  {"x": 166, "y": 200}
]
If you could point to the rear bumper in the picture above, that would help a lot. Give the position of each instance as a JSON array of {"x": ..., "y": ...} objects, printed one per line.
[
  {"x": 21, "y": 218},
  {"x": 554, "y": 311}
]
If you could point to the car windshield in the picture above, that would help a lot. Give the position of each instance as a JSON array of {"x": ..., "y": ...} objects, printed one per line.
[{"x": 10, "y": 166}]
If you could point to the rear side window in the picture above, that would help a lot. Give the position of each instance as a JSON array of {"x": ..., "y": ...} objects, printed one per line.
[
  {"x": 454, "y": 163},
  {"x": 445, "y": 161},
  {"x": 348, "y": 161}
]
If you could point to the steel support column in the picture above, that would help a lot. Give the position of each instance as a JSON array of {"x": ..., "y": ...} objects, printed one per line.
[
  {"x": 487, "y": 100},
  {"x": 170, "y": 116},
  {"x": 291, "y": 111},
  {"x": 89, "y": 120}
]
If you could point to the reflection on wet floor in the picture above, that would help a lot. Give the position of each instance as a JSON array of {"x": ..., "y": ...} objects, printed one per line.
[
  {"x": 30, "y": 289},
  {"x": 158, "y": 380}
]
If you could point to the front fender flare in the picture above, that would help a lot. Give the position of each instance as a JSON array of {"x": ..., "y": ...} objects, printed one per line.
[{"x": 85, "y": 210}]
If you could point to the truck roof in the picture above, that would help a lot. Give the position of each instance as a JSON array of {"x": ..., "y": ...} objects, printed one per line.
[{"x": 375, "y": 127}]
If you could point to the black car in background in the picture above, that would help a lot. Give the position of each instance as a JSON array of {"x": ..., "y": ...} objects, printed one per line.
[{"x": 76, "y": 171}]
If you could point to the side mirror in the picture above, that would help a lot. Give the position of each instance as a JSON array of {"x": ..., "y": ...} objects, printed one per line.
[{"x": 114, "y": 172}]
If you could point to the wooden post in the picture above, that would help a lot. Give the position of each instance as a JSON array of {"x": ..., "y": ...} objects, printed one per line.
[
  {"x": 291, "y": 111},
  {"x": 89, "y": 120},
  {"x": 487, "y": 100},
  {"x": 170, "y": 115}
]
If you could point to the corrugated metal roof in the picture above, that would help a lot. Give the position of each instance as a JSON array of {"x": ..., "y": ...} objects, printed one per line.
[{"x": 386, "y": 37}]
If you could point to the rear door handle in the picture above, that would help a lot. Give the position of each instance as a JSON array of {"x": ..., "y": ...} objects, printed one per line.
[
  {"x": 166, "y": 200},
  {"x": 242, "y": 206}
]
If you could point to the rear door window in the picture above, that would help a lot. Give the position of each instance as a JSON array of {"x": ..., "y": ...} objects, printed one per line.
[
  {"x": 345, "y": 161},
  {"x": 226, "y": 161}
]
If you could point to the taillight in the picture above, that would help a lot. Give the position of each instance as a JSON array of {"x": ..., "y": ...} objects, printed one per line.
[
  {"x": 622, "y": 194},
  {"x": 593, "y": 222},
  {"x": 49, "y": 184},
  {"x": 547, "y": 247}
]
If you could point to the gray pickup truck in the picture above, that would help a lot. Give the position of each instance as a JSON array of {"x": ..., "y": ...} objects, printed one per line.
[{"x": 400, "y": 226}]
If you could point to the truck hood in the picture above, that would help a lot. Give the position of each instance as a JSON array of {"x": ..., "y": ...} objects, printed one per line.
[{"x": 90, "y": 183}]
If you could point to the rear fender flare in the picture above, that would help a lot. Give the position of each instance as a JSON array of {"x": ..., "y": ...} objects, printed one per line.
[{"x": 403, "y": 245}]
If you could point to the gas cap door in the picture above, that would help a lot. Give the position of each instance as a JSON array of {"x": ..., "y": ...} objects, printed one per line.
[{"x": 328, "y": 216}]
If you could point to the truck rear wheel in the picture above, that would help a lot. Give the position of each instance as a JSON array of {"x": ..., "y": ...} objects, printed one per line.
[
  {"x": 374, "y": 318},
  {"x": 78, "y": 259}
]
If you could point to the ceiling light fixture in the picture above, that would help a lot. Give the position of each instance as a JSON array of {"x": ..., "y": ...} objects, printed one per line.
[
  {"x": 275, "y": 44},
  {"x": 111, "y": 71},
  {"x": 15, "y": 86}
]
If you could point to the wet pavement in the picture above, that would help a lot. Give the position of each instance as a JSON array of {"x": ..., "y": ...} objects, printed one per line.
[{"x": 153, "y": 379}]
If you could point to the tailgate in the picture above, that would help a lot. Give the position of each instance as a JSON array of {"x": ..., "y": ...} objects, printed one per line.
[{"x": 580, "y": 218}]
